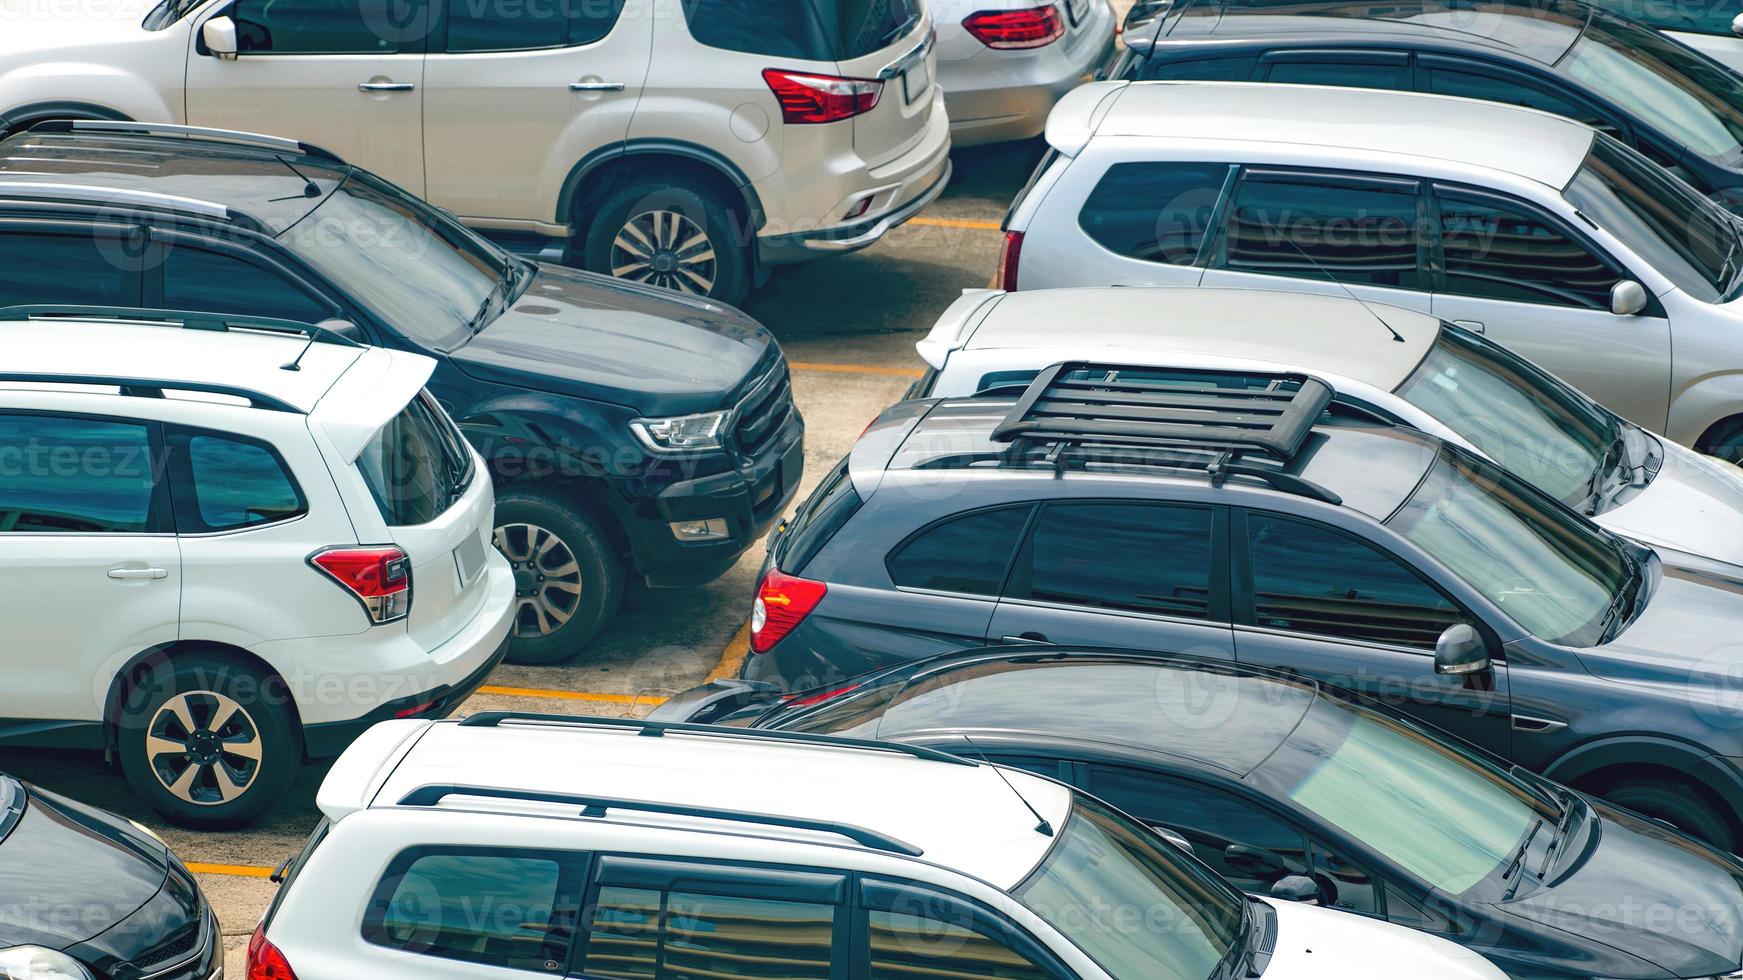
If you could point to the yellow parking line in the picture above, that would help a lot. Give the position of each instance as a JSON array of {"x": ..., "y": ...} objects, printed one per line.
[
  {"x": 732, "y": 658},
  {"x": 533, "y": 692},
  {"x": 892, "y": 372},
  {"x": 234, "y": 870},
  {"x": 955, "y": 223}
]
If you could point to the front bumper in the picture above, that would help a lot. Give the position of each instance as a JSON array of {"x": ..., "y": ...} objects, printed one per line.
[{"x": 781, "y": 249}]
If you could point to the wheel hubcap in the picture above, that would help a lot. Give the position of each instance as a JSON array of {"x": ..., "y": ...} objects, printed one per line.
[
  {"x": 664, "y": 248},
  {"x": 203, "y": 747},
  {"x": 547, "y": 578}
]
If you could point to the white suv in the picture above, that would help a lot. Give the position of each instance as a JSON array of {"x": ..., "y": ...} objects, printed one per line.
[
  {"x": 687, "y": 143},
  {"x": 226, "y": 547},
  {"x": 622, "y": 848}
]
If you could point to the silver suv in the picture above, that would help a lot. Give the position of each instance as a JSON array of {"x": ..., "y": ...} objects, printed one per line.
[{"x": 687, "y": 143}]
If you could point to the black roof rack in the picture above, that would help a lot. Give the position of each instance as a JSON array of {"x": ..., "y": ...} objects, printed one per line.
[
  {"x": 596, "y": 806},
  {"x": 258, "y": 140},
  {"x": 655, "y": 729},
  {"x": 326, "y": 332}
]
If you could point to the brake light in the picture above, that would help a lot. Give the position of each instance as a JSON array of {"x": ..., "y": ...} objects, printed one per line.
[
  {"x": 265, "y": 962},
  {"x": 379, "y": 578},
  {"x": 782, "y": 602},
  {"x": 1009, "y": 255},
  {"x": 1031, "y": 27},
  {"x": 806, "y": 98}
]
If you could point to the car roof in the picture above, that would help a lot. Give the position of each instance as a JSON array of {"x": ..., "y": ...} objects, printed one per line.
[
  {"x": 961, "y": 816},
  {"x": 204, "y": 176},
  {"x": 1508, "y": 139},
  {"x": 1541, "y": 30},
  {"x": 1307, "y": 332}
]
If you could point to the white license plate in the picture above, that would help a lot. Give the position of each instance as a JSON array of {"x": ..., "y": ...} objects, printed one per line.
[
  {"x": 469, "y": 558},
  {"x": 916, "y": 81}
]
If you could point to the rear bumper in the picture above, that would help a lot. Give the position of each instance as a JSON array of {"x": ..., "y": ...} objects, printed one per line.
[
  {"x": 913, "y": 182},
  {"x": 1006, "y": 95},
  {"x": 713, "y": 702},
  {"x": 328, "y": 740}
]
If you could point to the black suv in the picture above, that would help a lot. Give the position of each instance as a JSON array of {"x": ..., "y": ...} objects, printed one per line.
[
  {"x": 1247, "y": 518},
  {"x": 629, "y": 429},
  {"x": 1677, "y": 106}
]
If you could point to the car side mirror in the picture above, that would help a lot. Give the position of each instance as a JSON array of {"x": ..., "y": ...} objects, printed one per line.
[
  {"x": 1460, "y": 651},
  {"x": 1297, "y": 888},
  {"x": 1627, "y": 298},
  {"x": 1254, "y": 861},
  {"x": 219, "y": 33},
  {"x": 344, "y": 328},
  {"x": 1737, "y": 24}
]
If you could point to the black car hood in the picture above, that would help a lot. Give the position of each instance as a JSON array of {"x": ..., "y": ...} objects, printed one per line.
[
  {"x": 1684, "y": 633},
  {"x": 68, "y": 872},
  {"x": 1650, "y": 894},
  {"x": 651, "y": 350}
]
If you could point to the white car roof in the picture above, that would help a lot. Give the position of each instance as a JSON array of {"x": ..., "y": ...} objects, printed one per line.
[
  {"x": 1303, "y": 331},
  {"x": 963, "y": 817},
  {"x": 1510, "y": 139}
]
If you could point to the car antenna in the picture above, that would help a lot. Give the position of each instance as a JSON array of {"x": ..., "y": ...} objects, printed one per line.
[
  {"x": 296, "y": 363},
  {"x": 310, "y": 188},
  {"x": 1041, "y": 824},
  {"x": 1347, "y": 290}
]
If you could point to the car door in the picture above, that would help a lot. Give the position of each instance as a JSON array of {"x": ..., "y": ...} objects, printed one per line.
[
  {"x": 1327, "y": 232},
  {"x": 90, "y": 570},
  {"x": 517, "y": 94},
  {"x": 1531, "y": 282},
  {"x": 1316, "y": 599},
  {"x": 342, "y": 74},
  {"x": 1120, "y": 573}
]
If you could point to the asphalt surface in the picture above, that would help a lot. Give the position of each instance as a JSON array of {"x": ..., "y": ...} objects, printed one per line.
[{"x": 848, "y": 325}]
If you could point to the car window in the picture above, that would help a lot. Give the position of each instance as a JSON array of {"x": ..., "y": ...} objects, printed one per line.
[
  {"x": 813, "y": 30},
  {"x": 230, "y": 483},
  {"x": 925, "y": 935},
  {"x": 1151, "y": 558},
  {"x": 207, "y": 282},
  {"x": 1197, "y": 69},
  {"x": 416, "y": 465},
  {"x": 636, "y": 933},
  {"x": 498, "y": 907},
  {"x": 965, "y": 554},
  {"x": 67, "y": 269},
  {"x": 1157, "y": 212},
  {"x": 1342, "y": 883},
  {"x": 1497, "y": 250},
  {"x": 1349, "y": 74},
  {"x": 1325, "y": 227},
  {"x": 1308, "y": 578},
  {"x": 1514, "y": 88},
  {"x": 485, "y": 25},
  {"x": 1677, "y": 15},
  {"x": 825, "y": 513},
  {"x": 74, "y": 476},
  {"x": 326, "y": 27}
]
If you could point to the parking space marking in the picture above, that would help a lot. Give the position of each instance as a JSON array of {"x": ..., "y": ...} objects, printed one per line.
[
  {"x": 532, "y": 692},
  {"x": 232, "y": 870},
  {"x": 731, "y": 658},
  {"x": 890, "y": 372},
  {"x": 956, "y": 223}
]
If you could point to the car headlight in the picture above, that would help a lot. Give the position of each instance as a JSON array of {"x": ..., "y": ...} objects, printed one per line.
[
  {"x": 37, "y": 963},
  {"x": 682, "y": 433}
]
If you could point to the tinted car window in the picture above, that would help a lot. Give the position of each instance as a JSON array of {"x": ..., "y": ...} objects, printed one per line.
[
  {"x": 323, "y": 27},
  {"x": 1499, "y": 251},
  {"x": 74, "y": 476},
  {"x": 201, "y": 281},
  {"x": 1325, "y": 228},
  {"x": 1157, "y": 212},
  {"x": 825, "y": 512},
  {"x": 1308, "y": 578},
  {"x": 815, "y": 30},
  {"x": 231, "y": 483},
  {"x": 1677, "y": 15},
  {"x": 1690, "y": 98},
  {"x": 501, "y": 908},
  {"x": 416, "y": 466},
  {"x": 1197, "y": 69},
  {"x": 1514, "y": 89},
  {"x": 635, "y": 932},
  {"x": 1149, "y": 558},
  {"x": 73, "y": 269},
  {"x": 967, "y": 554},
  {"x": 1340, "y": 73},
  {"x": 922, "y": 941},
  {"x": 488, "y": 25}
]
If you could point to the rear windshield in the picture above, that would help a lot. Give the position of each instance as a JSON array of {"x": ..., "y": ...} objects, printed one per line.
[
  {"x": 811, "y": 30},
  {"x": 829, "y": 508},
  {"x": 417, "y": 465}
]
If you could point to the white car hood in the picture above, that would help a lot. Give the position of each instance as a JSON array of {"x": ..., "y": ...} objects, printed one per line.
[
  {"x": 1694, "y": 504},
  {"x": 31, "y": 26},
  {"x": 1315, "y": 943}
]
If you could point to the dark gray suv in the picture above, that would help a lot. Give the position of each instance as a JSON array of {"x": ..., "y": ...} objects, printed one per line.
[{"x": 1235, "y": 518}]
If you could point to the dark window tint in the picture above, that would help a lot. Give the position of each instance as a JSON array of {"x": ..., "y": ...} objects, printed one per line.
[
  {"x": 203, "y": 281},
  {"x": 1354, "y": 232},
  {"x": 328, "y": 26},
  {"x": 1515, "y": 90},
  {"x": 1143, "y": 557},
  {"x": 492, "y": 25},
  {"x": 864, "y": 26},
  {"x": 73, "y": 269},
  {"x": 501, "y": 908},
  {"x": 1198, "y": 69},
  {"x": 1678, "y": 15},
  {"x": 967, "y": 554},
  {"x": 814, "y": 30},
  {"x": 1498, "y": 251},
  {"x": 828, "y": 509},
  {"x": 417, "y": 465},
  {"x": 915, "y": 932},
  {"x": 1344, "y": 885},
  {"x": 676, "y": 935},
  {"x": 1311, "y": 579},
  {"x": 1210, "y": 820},
  {"x": 1379, "y": 76},
  {"x": 1154, "y": 211},
  {"x": 74, "y": 476},
  {"x": 231, "y": 483}
]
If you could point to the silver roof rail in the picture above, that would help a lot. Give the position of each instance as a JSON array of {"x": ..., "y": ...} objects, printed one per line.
[
  {"x": 88, "y": 194},
  {"x": 197, "y": 132}
]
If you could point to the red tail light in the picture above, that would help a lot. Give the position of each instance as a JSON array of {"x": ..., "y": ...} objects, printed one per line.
[
  {"x": 380, "y": 578},
  {"x": 782, "y": 602},
  {"x": 1008, "y": 258},
  {"x": 818, "y": 697},
  {"x": 807, "y": 98},
  {"x": 265, "y": 962},
  {"x": 1031, "y": 27}
]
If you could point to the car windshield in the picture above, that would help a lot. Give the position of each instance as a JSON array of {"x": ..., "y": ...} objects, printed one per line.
[
  {"x": 421, "y": 271},
  {"x": 1693, "y": 100},
  {"x": 11, "y": 803},
  {"x": 1558, "y": 576},
  {"x": 1685, "y": 237},
  {"x": 1529, "y": 422},
  {"x": 1140, "y": 909},
  {"x": 1435, "y": 810}
]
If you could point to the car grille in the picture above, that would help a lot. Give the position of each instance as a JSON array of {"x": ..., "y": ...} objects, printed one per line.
[{"x": 764, "y": 412}]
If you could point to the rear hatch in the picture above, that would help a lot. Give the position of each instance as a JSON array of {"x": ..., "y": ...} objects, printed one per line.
[{"x": 891, "y": 40}]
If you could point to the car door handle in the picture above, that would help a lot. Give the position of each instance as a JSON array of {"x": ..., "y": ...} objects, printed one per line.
[
  {"x": 1474, "y": 326},
  {"x": 1030, "y": 637},
  {"x": 385, "y": 86},
  {"x": 1526, "y": 725},
  {"x": 128, "y": 574},
  {"x": 595, "y": 86}
]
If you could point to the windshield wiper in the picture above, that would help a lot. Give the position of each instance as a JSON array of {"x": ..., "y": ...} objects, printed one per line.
[
  {"x": 1622, "y": 601},
  {"x": 1515, "y": 866},
  {"x": 1235, "y": 961},
  {"x": 1615, "y": 459}
]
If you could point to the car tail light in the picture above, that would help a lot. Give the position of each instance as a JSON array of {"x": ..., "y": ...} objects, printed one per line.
[
  {"x": 1031, "y": 27},
  {"x": 380, "y": 578},
  {"x": 807, "y": 98},
  {"x": 782, "y": 602},
  {"x": 1009, "y": 255},
  {"x": 265, "y": 962},
  {"x": 818, "y": 697}
]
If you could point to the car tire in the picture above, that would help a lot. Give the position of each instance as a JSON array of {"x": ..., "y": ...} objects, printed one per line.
[
  {"x": 646, "y": 230},
  {"x": 568, "y": 579},
  {"x": 242, "y": 753},
  {"x": 1725, "y": 440},
  {"x": 1681, "y": 806}
]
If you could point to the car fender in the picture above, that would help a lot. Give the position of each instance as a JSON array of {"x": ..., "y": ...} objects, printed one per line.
[
  {"x": 590, "y": 165},
  {"x": 1703, "y": 401},
  {"x": 1699, "y": 764}
]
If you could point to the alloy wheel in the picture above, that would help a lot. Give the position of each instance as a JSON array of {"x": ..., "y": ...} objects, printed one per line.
[
  {"x": 547, "y": 578},
  {"x": 203, "y": 747},
  {"x": 665, "y": 248}
]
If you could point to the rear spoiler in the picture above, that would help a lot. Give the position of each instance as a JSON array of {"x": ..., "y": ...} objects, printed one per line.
[
  {"x": 956, "y": 324},
  {"x": 1077, "y": 116},
  {"x": 368, "y": 395}
]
